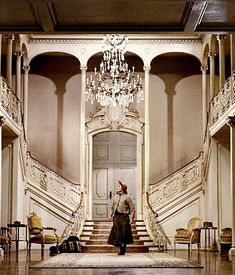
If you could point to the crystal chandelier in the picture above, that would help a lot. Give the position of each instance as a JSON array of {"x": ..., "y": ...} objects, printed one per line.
[{"x": 114, "y": 84}]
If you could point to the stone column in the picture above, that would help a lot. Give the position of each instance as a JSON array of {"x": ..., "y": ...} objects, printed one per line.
[
  {"x": 231, "y": 123},
  {"x": 25, "y": 101},
  {"x": 146, "y": 127},
  {"x": 220, "y": 39},
  {"x": 10, "y": 39},
  {"x": 212, "y": 74},
  {"x": 2, "y": 121},
  {"x": 204, "y": 98},
  {"x": 83, "y": 128},
  {"x": 18, "y": 55}
]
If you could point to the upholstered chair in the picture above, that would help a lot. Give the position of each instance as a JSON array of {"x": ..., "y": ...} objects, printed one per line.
[
  {"x": 5, "y": 239},
  {"x": 226, "y": 235},
  {"x": 225, "y": 240},
  {"x": 37, "y": 233},
  {"x": 191, "y": 235}
]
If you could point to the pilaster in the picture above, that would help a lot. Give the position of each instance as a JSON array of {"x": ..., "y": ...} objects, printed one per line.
[
  {"x": 83, "y": 128},
  {"x": 146, "y": 127},
  {"x": 231, "y": 123},
  {"x": 2, "y": 121},
  {"x": 204, "y": 98},
  {"x": 0, "y": 54}
]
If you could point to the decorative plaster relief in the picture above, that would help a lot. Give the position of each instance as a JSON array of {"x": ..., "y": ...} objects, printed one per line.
[
  {"x": 176, "y": 185},
  {"x": 49, "y": 181},
  {"x": 100, "y": 121}
]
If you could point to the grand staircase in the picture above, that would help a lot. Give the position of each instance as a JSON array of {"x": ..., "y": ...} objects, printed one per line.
[{"x": 95, "y": 235}]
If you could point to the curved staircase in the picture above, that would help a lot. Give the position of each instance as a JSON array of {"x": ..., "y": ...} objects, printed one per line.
[{"x": 95, "y": 235}]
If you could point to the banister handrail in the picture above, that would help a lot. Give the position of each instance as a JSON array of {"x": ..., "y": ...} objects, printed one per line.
[
  {"x": 74, "y": 226},
  {"x": 150, "y": 207}
]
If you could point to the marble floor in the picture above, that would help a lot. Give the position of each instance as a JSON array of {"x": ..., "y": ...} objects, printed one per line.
[{"x": 213, "y": 263}]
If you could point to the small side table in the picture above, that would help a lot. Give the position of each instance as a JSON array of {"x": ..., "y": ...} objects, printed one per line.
[
  {"x": 17, "y": 234},
  {"x": 208, "y": 237}
]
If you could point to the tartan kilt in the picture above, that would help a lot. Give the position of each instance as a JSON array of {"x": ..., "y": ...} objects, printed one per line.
[{"x": 121, "y": 230}]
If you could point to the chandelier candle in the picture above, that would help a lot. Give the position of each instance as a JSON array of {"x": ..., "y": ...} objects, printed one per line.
[{"x": 114, "y": 83}]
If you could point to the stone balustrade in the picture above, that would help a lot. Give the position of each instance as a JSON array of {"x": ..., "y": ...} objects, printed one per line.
[
  {"x": 223, "y": 100},
  {"x": 176, "y": 185},
  {"x": 46, "y": 179},
  {"x": 10, "y": 102}
]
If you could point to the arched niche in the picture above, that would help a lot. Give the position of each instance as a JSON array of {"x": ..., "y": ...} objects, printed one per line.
[
  {"x": 54, "y": 104},
  {"x": 175, "y": 102}
]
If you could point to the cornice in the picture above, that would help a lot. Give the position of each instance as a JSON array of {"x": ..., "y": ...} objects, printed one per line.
[{"x": 99, "y": 41}]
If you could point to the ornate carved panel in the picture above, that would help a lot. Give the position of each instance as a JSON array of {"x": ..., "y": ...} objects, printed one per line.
[
  {"x": 100, "y": 152},
  {"x": 176, "y": 185},
  {"x": 127, "y": 153}
]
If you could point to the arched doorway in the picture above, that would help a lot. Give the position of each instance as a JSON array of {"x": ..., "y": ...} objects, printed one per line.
[
  {"x": 114, "y": 158},
  {"x": 130, "y": 126}
]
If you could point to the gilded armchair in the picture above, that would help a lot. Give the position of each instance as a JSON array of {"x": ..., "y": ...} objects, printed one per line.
[
  {"x": 191, "y": 235},
  {"x": 5, "y": 239},
  {"x": 37, "y": 233}
]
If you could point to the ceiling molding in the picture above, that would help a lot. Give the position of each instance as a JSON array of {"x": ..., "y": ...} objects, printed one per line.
[{"x": 100, "y": 16}]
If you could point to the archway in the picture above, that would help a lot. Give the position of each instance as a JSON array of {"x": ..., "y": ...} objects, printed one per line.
[
  {"x": 131, "y": 127},
  {"x": 114, "y": 158}
]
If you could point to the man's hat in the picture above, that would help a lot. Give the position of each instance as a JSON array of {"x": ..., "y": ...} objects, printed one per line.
[{"x": 123, "y": 185}]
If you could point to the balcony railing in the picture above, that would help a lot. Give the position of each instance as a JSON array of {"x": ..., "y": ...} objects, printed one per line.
[
  {"x": 53, "y": 184},
  {"x": 223, "y": 100},
  {"x": 10, "y": 102}
]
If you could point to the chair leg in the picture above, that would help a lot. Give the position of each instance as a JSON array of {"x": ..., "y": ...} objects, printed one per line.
[
  {"x": 174, "y": 247},
  {"x": 42, "y": 249},
  {"x": 29, "y": 248}
]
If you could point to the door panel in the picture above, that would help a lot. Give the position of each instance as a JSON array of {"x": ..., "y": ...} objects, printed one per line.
[
  {"x": 102, "y": 186},
  {"x": 127, "y": 174}
]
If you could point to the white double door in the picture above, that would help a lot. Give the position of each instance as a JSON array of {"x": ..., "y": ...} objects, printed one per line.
[{"x": 114, "y": 158}]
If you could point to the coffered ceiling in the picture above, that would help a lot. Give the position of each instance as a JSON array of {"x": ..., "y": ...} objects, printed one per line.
[{"x": 133, "y": 16}]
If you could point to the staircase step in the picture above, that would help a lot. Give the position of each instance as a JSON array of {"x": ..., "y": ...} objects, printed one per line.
[
  {"x": 107, "y": 231},
  {"x": 104, "y": 242},
  {"x": 105, "y": 236},
  {"x": 95, "y": 235},
  {"x": 109, "y": 226},
  {"x": 109, "y": 249}
]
